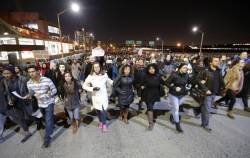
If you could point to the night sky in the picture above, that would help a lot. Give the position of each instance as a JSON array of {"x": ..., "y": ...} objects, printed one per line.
[{"x": 223, "y": 21}]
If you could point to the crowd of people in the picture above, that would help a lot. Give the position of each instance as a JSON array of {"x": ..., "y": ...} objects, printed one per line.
[{"x": 28, "y": 95}]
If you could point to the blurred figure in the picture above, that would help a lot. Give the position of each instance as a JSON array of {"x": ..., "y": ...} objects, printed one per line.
[{"x": 76, "y": 70}]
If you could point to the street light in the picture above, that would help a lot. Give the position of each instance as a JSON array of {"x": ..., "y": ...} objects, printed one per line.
[
  {"x": 162, "y": 43},
  {"x": 75, "y": 8},
  {"x": 178, "y": 44},
  {"x": 196, "y": 29}
]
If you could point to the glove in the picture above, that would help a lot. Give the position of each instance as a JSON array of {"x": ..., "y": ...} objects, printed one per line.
[{"x": 96, "y": 89}]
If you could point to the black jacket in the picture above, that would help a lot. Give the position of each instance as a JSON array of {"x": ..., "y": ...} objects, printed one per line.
[
  {"x": 124, "y": 87},
  {"x": 213, "y": 80},
  {"x": 3, "y": 99},
  {"x": 177, "y": 79},
  {"x": 246, "y": 85},
  {"x": 152, "y": 87}
]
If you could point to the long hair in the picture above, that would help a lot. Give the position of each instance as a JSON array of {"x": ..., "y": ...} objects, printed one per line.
[
  {"x": 20, "y": 69},
  {"x": 92, "y": 69},
  {"x": 61, "y": 85},
  {"x": 123, "y": 68},
  {"x": 68, "y": 72},
  {"x": 154, "y": 66}
]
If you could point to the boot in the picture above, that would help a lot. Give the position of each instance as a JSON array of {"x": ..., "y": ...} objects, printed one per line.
[
  {"x": 178, "y": 127},
  {"x": 171, "y": 119},
  {"x": 74, "y": 127},
  {"x": 150, "y": 120},
  {"x": 121, "y": 114},
  {"x": 125, "y": 116},
  {"x": 77, "y": 123},
  {"x": 230, "y": 114}
]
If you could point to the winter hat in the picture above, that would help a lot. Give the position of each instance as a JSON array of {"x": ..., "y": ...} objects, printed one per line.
[
  {"x": 9, "y": 68},
  {"x": 181, "y": 65}
]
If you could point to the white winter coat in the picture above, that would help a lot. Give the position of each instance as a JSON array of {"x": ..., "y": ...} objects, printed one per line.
[{"x": 99, "y": 98}]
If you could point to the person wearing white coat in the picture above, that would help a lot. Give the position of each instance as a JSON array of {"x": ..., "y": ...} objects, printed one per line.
[{"x": 96, "y": 83}]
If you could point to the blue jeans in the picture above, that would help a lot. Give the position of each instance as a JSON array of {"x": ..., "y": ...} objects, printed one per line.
[
  {"x": 205, "y": 110},
  {"x": 74, "y": 114},
  {"x": 102, "y": 116},
  {"x": 2, "y": 122},
  {"x": 175, "y": 101},
  {"x": 49, "y": 121}
]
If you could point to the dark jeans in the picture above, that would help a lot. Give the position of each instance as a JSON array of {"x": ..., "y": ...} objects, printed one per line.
[
  {"x": 244, "y": 96},
  {"x": 17, "y": 116},
  {"x": 48, "y": 114},
  {"x": 102, "y": 116},
  {"x": 232, "y": 99},
  {"x": 225, "y": 99}
]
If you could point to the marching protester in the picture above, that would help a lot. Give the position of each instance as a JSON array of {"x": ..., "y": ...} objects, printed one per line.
[
  {"x": 71, "y": 90},
  {"x": 76, "y": 70},
  {"x": 246, "y": 87},
  {"x": 123, "y": 85},
  {"x": 38, "y": 93},
  {"x": 96, "y": 82},
  {"x": 12, "y": 106},
  {"x": 234, "y": 80},
  {"x": 152, "y": 90},
  {"x": 45, "y": 91},
  {"x": 207, "y": 82},
  {"x": 177, "y": 83},
  {"x": 139, "y": 74}
]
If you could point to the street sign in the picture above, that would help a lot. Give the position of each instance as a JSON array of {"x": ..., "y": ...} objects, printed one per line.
[
  {"x": 151, "y": 43},
  {"x": 139, "y": 43},
  {"x": 130, "y": 42}
]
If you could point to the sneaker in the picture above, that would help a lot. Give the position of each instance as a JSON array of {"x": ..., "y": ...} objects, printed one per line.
[
  {"x": 178, "y": 127},
  {"x": 100, "y": 125},
  {"x": 104, "y": 128}
]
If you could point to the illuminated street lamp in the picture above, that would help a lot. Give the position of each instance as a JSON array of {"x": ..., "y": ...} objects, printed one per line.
[
  {"x": 178, "y": 44},
  {"x": 75, "y": 8},
  {"x": 162, "y": 43},
  {"x": 196, "y": 29}
]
